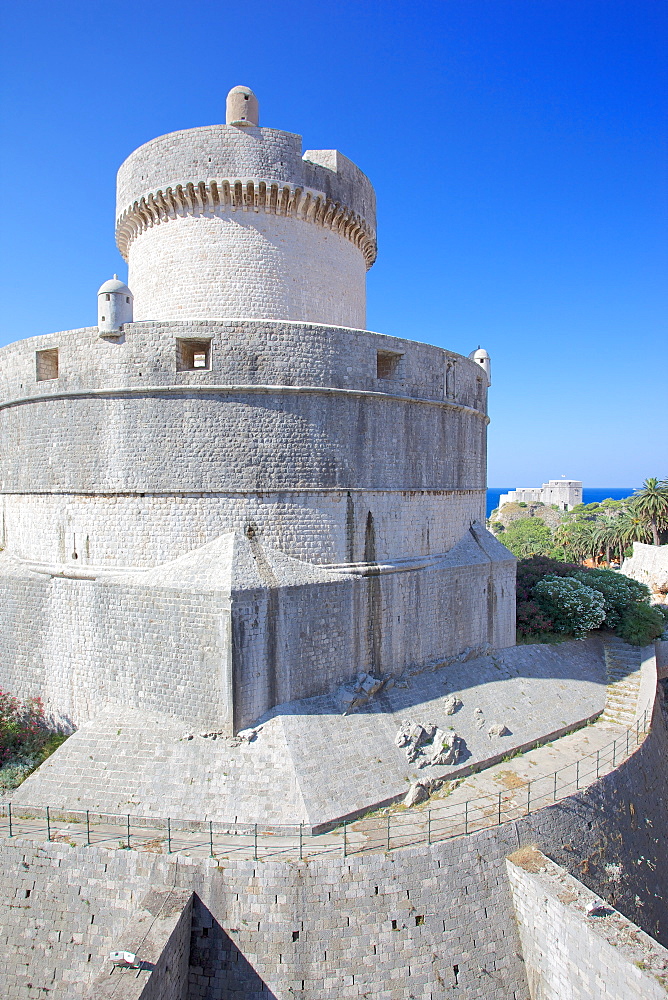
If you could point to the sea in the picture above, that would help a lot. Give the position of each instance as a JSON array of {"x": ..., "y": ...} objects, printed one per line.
[{"x": 591, "y": 494}]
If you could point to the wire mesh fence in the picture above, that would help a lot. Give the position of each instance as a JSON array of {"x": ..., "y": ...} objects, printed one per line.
[{"x": 385, "y": 830}]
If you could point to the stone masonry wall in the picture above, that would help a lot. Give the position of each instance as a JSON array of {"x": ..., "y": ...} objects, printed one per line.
[
  {"x": 239, "y": 264},
  {"x": 140, "y": 471},
  {"x": 215, "y": 248},
  {"x": 113, "y": 530},
  {"x": 84, "y": 644},
  {"x": 420, "y": 922},
  {"x": 567, "y": 952}
]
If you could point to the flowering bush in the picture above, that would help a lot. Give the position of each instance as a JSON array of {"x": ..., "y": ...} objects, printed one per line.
[
  {"x": 570, "y": 605},
  {"x": 620, "y": 593},
  {"x": 532, "y": 622},
  {"x": 22, "y": 726},
  {"x": 25, "y": 738}
]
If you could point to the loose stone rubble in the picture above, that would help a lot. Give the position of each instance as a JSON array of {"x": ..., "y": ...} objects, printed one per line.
[
  {"x": 244, "y": 736},
  {"x": 360, "y": 692},
  {"x": 498, "y": 729},
  {"x": 429, "y": 744},
  {"x": 452, "y": 704}
]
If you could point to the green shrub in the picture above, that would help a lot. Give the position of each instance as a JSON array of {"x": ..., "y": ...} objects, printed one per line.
[
  {"x": 571, "y": 606},
  {"x": 641, "y": 624},
  {"x": 619, "y": 592}
]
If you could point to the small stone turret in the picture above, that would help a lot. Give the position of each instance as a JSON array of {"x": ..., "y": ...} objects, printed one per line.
[
  {"x": 242, "y": 107},
  {"x": 114, "y": 307},
  {"x": 482, "y": 358}
]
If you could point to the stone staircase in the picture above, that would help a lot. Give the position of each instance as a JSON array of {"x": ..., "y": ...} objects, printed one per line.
[{"x": 623, "y": 669}]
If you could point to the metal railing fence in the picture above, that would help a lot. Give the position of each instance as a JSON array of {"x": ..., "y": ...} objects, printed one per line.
[{"x": 384, "y": 830}]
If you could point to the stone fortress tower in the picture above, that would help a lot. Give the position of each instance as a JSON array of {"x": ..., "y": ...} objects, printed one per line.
[{"x": 229, "y": 494}]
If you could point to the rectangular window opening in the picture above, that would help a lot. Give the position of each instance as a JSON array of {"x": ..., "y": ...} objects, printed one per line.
[
  {"x": 388, "y": 365},
  {"x": 46, "y": 364},
  {"x": 193, "y": 355}
]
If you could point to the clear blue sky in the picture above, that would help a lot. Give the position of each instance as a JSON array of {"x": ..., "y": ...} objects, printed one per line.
[{"x": 517, "y": 148}]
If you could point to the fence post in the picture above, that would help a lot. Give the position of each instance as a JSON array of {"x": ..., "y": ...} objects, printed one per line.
[
  {"x": 345, "y": 845},
  {"x": 255, "y": 843},
  {"x": 627, "y": 742},
  {"x": 554, "y": 795},
  {"x": 466, "y": 818},
  {"x": 169, "y": 835},
  {"x": 597, "y": 762},
  {"x": 9, "y": 814},
  {"x": 388, "y": 830},
  {"x": 429, "y": 826},
  {"x": 577, "y": 774},
  {"x": 637, "y": 731},
  {"x": 499, "y": 823},
  {"x": 87, "y": 828},
  {"x": 528, "y": 798},
  {"x": 614, "y": 752},
  {"x": 210, "y": 838},
  {"x": 301, "y": 841},
  {"x": 48, "y": 825}
]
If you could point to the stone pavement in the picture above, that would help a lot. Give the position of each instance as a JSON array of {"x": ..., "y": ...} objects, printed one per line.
[
  {"x": 498, "y": 793},
  {"x": 309, "y": 763}
]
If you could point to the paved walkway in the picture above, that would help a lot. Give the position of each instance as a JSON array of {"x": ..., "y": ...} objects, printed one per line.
[{"x": 496, "y": 795}]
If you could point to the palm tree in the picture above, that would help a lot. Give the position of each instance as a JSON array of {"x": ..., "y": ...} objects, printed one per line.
[
  {"x": 632, "y": 528},
  {"x": 606, "y": 535},
  {"x": 651, "y": 504},
  {"x": 577, "y": 540}
]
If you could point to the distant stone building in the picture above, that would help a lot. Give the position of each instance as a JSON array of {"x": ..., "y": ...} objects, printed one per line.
[{"x": 565, "y": 493}]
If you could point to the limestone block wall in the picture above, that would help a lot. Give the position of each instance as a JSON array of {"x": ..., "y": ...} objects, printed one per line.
[
  {"x": 569, "y": 953},
  {"x": 82, "y": 645},
  {"x": 383, "y": 624},
  {"x": 124, "y": 459},
  {"x": 238, "y": 264},
  {"x": 423, "y": 921},
  {"x": 227, "y": 221},
  {"x": 649, "y": 565},
  {"x": 222, "y": 658},
  {"x": 116, "y": 530}
]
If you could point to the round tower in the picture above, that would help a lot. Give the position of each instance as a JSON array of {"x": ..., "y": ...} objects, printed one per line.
[
  {"x": 233, "y": 221},
  {"x": 114, "y": 306}
]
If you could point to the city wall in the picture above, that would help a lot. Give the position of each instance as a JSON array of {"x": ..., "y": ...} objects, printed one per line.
[
  {"x": 418, "y": 922},
  {"x": 222, "y": 654},
  {"x": 125, "y": 459}
]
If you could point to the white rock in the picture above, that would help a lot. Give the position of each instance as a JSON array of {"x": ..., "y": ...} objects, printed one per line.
[
  {"x": 498, "y": 729},
  {"x": 451, "y": 704}
]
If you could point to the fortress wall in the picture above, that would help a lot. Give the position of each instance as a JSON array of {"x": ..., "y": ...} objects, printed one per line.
[
  {"x": 84, "y": 644},
  {"x": 243, "y": 264},
  {"x": 94, "y": 450},
  {"x": 570, "y": 954},
  {"x": 81, "y": 645},
  {"x": 246, "y": 915},
  {"x": 320, "y": 527},
  {"x": 238, "y": 441},
  {"x": 243, "y": 352},
  {"x": 384, "y": 625}
]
